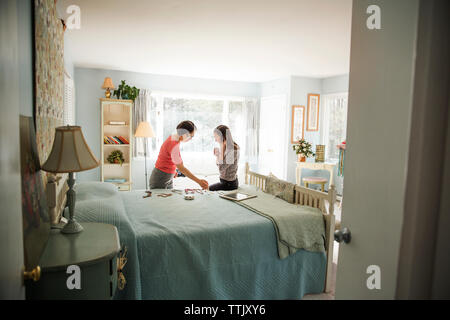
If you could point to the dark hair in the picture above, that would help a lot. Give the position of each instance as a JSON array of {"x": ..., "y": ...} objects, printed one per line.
[
  {"x": 223, "y": 131},
  {"x": 185, "y": 126}
]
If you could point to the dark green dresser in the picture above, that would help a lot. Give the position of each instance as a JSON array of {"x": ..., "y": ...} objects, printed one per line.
[{"x": 78, "y": 266}]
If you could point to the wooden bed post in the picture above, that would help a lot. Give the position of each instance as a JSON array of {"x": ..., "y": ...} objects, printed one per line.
[
  {"x": 246, "y": 172},
  {"x": 332, "y": 198},
  {"x": 329, "y": 230}
]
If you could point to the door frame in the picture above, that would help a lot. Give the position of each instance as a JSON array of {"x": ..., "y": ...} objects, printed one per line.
[
  {"x": 425, "y": 242},
  {"x": 284, "y": 127},
  {"x": 11, "y": 230}
]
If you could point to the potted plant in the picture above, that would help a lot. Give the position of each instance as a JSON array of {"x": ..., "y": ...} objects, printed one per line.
[
  {"x": 116, "y": 157},
  {"x": 124, "y": 91},
  {"x": 303, "y": 149}
]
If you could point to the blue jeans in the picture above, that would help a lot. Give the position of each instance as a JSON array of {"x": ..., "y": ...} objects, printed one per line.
[{"x": 224, "y": 185}]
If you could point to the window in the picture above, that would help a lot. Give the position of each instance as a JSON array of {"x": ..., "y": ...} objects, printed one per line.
[
  {"x": 206, "y": 115},
  {"x": 335, "y": 124},
  {"x": 167, "y": 110},
  {"x": 69, "y": 101}
]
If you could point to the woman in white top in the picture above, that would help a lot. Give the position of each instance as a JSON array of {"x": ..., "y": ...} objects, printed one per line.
[{"x": 227, "y": 158}]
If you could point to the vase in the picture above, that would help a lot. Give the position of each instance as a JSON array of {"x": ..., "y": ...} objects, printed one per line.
[{"x": 301, "y": 158}]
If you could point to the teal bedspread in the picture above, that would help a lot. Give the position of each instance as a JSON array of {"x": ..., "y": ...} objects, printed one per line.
[
  {"x": 297, "y": 227},
  {"x": 206, "y": 248}
]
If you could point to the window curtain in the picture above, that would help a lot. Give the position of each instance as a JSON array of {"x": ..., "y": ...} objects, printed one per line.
[
  {"x": 252, "y": 139},
  {"x": 141, "y": 111}
]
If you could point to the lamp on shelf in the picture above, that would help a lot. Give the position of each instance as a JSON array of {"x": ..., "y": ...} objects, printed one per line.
[
  {"x": 145, "y": 130},
  {"x": 108, "y": 85},
  {"x": 70, "y": 153}
]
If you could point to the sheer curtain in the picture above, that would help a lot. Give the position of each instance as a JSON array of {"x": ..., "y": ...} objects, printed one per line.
[
  {"x": 252, "y": 117},
  {"x": 141, "y": 112}
]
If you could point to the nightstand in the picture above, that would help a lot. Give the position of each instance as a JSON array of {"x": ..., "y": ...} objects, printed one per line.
[{"x": 89, "y": 256}]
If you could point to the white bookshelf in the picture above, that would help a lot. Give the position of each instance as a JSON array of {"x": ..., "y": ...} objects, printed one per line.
[{"x": 113, "y": 110}]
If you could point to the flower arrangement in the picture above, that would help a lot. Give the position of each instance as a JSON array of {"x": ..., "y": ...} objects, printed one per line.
[{"x": 303, "y": 149}]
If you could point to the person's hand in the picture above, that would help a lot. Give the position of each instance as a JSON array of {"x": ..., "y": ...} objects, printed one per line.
[
  {"x": 204, "y": 184},
  {"x": 216, "y": 152}
]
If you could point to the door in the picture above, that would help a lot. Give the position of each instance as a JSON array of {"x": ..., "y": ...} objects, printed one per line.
[
  {"x": 11, "y": 284},
  {"x": 272, "y": 136},
  {"x": 378, "y": 132}
]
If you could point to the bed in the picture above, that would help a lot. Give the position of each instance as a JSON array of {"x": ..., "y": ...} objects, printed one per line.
[{"x": 210, "y": 248}]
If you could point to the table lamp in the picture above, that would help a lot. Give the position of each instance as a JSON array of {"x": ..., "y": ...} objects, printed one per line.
[
  {"x": 145, "y": 130},
  {"x": 70, "y": 153},
  {"x": 108, "y": 84}
]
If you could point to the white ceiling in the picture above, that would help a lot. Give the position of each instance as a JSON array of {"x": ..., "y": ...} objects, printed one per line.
[{"x": 242, "y": 40}]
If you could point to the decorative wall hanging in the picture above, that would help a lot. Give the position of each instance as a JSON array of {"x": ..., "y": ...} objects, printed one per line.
[
  {"x": 49, "y": 75},
  {"x": 36, "y": 222},
  {"x": 312, "y": 123},
  {"x": 298, "y": 123}
]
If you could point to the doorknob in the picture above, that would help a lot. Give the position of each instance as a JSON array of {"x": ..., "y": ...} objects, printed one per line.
[
  {"x": 343, "y": 235},
  {"x": 34, "y": 274}
]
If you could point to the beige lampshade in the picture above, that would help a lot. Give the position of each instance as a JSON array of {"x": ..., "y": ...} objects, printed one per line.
[
  {"x": 70, "y": 152},
  {"x": 108, "y": 84},
  {"x": 144, "y": 130}
]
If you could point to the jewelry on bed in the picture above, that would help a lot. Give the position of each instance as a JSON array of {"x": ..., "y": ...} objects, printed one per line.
[
  {"x": 164, "y": 195},
  {"x": 193, "y": 191},
  {"x": 149, "y": 194}
]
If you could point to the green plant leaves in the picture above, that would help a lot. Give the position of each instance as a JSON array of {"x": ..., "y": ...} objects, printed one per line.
[
  {"x": 116, "y": 155},
  {"x": 124, "y": 91}
]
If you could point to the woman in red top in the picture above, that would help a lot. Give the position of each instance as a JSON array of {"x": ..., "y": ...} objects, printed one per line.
[{"x": 169, "y": 159}]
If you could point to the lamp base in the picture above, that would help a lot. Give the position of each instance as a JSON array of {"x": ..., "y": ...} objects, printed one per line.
[{"x": 72, "y": 227}]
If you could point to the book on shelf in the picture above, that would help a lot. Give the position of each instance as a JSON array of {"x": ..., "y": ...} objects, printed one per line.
[
  {"x": 108, "y": 140},
  {"x": 123, "y": 139},
  {"x": 115, "y": 123},
  {"x": 115, "y": 140},
  {"x": 116, "y": 180}
]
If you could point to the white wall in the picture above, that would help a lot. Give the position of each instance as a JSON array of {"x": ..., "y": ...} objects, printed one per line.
[
  {"x": 88, "y": 90},
  {"x": 297, "y": 89},
  {"x": 300, "y": 88}
]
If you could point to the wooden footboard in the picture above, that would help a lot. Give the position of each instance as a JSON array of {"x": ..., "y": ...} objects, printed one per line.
[{"x": 312, "y": 198}]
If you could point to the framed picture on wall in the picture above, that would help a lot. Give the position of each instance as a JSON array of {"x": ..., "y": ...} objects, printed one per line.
[
  {"x": 312, "y": 123},
  {"x": 298, "y": 123}
]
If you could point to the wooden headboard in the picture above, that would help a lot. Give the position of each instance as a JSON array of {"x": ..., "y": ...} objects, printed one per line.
[
  {"x": 311, "y": 198},
  {"x": 56, "y": 196}
]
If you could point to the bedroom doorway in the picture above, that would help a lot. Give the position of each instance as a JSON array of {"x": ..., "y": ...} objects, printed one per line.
[{"x": 272, "y": 149}]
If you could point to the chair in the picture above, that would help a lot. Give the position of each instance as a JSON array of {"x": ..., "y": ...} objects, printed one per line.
[{"x": 315, "y": 180}]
